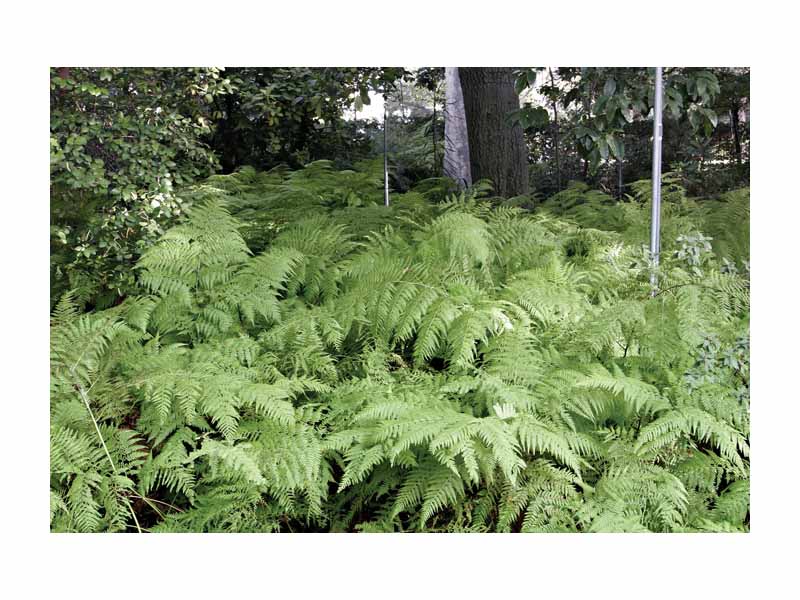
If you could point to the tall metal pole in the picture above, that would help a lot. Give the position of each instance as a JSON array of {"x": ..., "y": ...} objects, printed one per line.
[
  {"x": 385, "y": 158},
  {"x": 655, "y": 216}
]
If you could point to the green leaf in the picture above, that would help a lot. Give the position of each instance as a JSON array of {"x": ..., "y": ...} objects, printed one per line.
[
  {"x": 617, "y": 147},
  {"x": 520, "y": 83},
  {"x": 602, "y": 147},
  {"x": 701, "y": 87}
]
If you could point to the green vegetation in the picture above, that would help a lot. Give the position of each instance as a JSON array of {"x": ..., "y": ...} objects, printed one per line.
[
  {"x": 126, "y": 142},
  {"x": 294, "y": 356},
  {"x": 271, "y": 312}
]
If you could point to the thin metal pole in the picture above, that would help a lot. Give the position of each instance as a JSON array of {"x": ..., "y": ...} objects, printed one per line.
[
  {"x": 655, "y": 217},
  {"x": 385, "y": 158}
]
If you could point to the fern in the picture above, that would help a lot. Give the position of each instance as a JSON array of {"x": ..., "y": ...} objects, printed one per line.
[{"x": 302, "y": 359}]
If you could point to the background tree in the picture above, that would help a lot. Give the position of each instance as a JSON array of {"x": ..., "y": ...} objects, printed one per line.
[
  {"x": 431, "y": 79},
  {"x": 456, "y": 148},
  {"x": 496, "y": 144},
  {"x": 604, "y": 114},
  {"x": 416, "y": 127},
  {"x": 291, "y": 115}
]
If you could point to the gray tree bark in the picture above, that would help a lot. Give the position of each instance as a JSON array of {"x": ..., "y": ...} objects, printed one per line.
[
  {"x": 456, "y": 141},
  {"x": 555, "y": 131}
]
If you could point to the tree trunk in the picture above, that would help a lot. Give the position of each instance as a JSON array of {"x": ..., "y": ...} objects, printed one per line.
[
  {"x": 735, "y": 127},
  {"x": 496, "y": 145},
  {"x": 385, "y": 157},
  {"x": 433, "y": 131},
  {"x": 555, "y": 132},
  {"x": 456, "y": 143}
]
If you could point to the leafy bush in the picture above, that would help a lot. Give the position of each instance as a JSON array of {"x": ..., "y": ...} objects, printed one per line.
[
  {"x": 458, "y": 366},
  {"x": 121, "y": 141}
]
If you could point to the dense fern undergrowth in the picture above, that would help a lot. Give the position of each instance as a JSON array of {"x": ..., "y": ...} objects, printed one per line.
[{"x": 301, "y": 358}]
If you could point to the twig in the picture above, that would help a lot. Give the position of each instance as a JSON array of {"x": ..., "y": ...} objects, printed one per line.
[
  {"x": 146, "y": 499},
  {"x": 669, "y": 289},
  {"x": 85, "y": 399}
]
